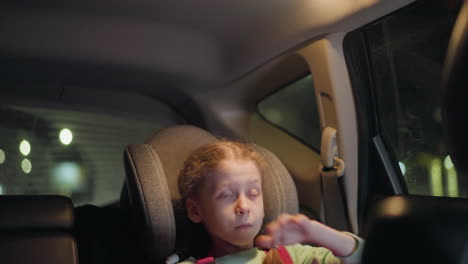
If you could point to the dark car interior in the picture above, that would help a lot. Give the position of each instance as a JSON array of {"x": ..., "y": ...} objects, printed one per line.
[{"x": 206, "y": 80}]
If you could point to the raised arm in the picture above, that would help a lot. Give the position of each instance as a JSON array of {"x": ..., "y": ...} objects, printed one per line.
[{"x": 291, "y": 229}]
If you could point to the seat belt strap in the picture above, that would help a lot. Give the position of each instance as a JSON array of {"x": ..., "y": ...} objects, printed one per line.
[
  {"x": 284, "y": 255},
  {"x": 332, "y": 168},
  {"x": 333, "y": 204},
  {"x": 206, "y": 260}
]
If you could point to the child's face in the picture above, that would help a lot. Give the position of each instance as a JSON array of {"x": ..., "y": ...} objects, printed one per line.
[{"x": 230, "y": 204}]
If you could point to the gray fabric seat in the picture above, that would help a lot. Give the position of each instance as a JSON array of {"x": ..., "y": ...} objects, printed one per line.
[{"x": 150, "y": 189}]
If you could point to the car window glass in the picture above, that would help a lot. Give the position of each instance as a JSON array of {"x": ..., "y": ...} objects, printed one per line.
[
  {"x": 73, "y": 153},
  {"x": 407, "y": 52},
  {"x": 293, "y": 108}
]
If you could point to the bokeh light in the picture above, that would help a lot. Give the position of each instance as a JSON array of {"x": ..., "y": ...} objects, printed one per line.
[
  {"x": 26, "y": 166},
  {"x": 2, "y": 156},
  {"x": 402, "y": 167},
  {"x": 66, "y": 136},
  {"x": 25, "y": 147},
  {"x": 448, "y": 164},
  {"x": 67, "y": 175}
]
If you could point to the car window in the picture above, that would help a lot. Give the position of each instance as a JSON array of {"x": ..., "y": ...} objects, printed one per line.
[
  {"x": 293, "y": 108},
  {"x": 406, "y": 52},
  {"x": 67, "y": 152}
]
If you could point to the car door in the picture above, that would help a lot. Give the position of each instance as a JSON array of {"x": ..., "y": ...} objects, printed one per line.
[{"x": 395, "y": 67}]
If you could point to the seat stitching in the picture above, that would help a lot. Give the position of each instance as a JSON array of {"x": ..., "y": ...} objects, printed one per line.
[
  {"x": 281, "y": 186},
  {"x": 137, "y": 179},
  {"x": 75, "y": 252},
  {"x": 278, "y": 178},
  {"x": 158, "y": 169},
  {"x": 275, "y": 180}
]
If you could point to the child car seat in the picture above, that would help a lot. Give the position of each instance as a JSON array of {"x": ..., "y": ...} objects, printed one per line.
[{"x": 150, "y": 188}]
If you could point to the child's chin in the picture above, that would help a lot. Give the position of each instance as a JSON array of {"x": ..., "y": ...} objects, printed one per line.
[{"x": 243, "y": 242}]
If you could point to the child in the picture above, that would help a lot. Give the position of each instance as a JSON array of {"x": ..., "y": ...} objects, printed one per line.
[{"x": 221, "y": 187}]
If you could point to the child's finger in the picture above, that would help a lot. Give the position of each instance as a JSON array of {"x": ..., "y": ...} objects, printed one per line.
[
  {"x": 275, "y": 231},
  {"x": 301, "y": 219},
  {"x": 264, "y": 241},
  {"x": 272, "y": 227},
  {"x": 283, "y": 219}
]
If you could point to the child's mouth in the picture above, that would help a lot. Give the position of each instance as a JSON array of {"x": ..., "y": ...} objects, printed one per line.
[{"x": 244, "y": 226}]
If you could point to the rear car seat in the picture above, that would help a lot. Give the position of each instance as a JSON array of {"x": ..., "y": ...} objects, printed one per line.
[{"x": 37, "y": 229}]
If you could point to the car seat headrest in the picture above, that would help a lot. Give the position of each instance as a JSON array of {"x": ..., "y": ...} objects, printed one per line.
[
  {"x": 151, "y": 189},
  {"x": 279, "y": 191},
  {"x": 174, "y": 145},
  {"x": 149, "y": 200}
]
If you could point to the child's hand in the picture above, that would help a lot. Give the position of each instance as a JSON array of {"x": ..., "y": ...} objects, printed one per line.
[
  {"x": 290, "y": 229},
  {"x": 285, "y": 230}
]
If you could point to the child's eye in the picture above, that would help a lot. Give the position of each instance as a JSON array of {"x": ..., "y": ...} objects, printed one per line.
[
  {"x": 226, "y": 196},
  {"x": 254, "y": 193}
]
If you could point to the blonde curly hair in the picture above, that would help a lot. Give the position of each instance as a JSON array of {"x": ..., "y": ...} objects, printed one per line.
[{"x": 208, "y": 158}]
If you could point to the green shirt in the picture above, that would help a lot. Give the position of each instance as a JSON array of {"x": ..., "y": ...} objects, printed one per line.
[{"x": 298, "y": 253}]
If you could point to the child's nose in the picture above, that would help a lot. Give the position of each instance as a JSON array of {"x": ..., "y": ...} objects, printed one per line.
[{"x": 242, "y": 206}]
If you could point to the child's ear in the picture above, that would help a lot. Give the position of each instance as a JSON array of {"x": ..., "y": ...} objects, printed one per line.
[{"x": 193, "y": 210}]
